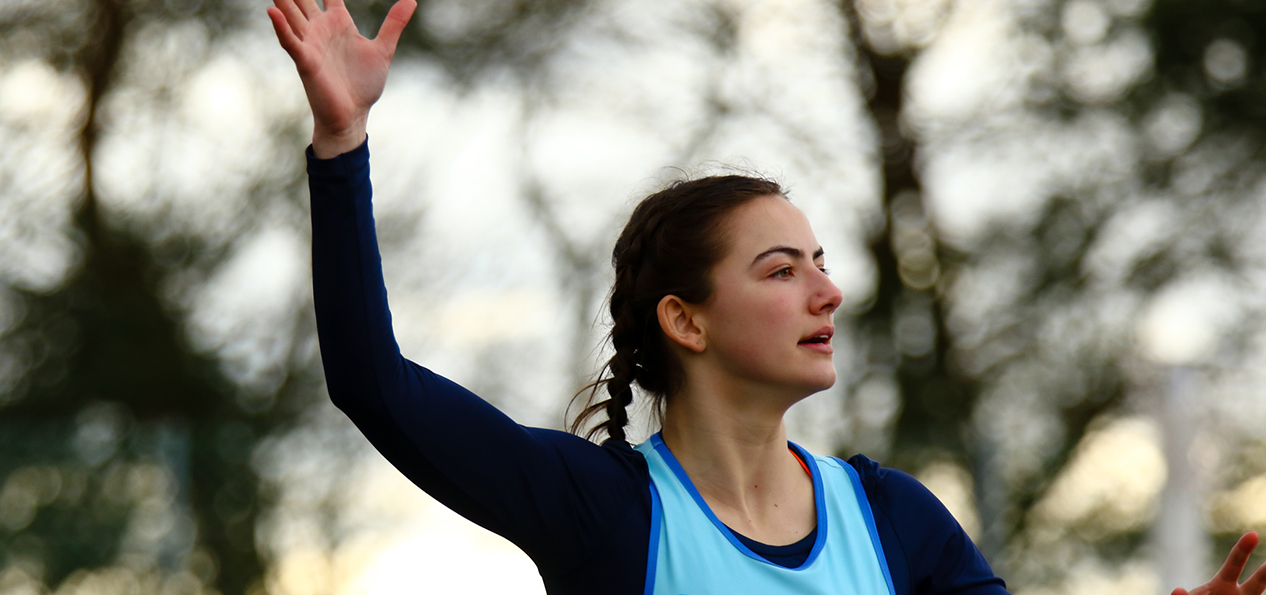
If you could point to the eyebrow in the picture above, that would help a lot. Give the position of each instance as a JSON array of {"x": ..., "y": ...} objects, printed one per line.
[{"x": 795, "y": 253}]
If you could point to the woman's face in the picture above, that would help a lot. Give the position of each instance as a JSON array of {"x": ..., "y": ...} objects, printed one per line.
[{"x": 769, "y": 319}]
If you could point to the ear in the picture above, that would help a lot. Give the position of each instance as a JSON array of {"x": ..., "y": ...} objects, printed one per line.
[{"x": 677, "y": 320}]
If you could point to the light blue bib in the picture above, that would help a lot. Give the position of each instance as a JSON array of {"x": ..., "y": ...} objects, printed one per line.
[{"x": 694, "y": 553}]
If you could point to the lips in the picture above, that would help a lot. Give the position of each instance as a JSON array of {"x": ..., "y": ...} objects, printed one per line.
[{"x": 821, "y": 336}]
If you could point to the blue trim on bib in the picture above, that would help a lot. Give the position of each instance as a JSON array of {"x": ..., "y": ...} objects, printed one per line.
[
  {"x": 819, "y": 500},
  {"x": 652, "y": 552},
  {"x": 864, "y": 501}
]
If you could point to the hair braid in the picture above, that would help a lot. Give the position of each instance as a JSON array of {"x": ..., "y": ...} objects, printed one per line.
[
  {"x": 625, "y": 336},
  {"x": 623, "y": 369},
  {"x": 669, "y": 246}
]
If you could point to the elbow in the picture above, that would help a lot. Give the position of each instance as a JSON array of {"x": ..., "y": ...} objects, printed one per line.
[{"x": 359, "y": 391}]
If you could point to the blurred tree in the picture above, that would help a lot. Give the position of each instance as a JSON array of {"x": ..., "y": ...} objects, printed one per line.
[
  {"x": 122, "y": 444},
  {"x": 904, "y": 326},
  {"x": 1196, "y": 105},
  {"x": 130, "y": 437},
  {"x": 1183, "y": 79},
  {"x": 472, "y": 40}
]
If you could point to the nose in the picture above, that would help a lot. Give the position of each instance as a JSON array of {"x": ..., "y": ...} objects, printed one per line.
[{"x": 827, "y": 297}]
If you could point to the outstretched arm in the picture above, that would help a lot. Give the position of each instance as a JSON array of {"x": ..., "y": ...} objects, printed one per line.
[
  {"x": 557, "y": 496},
  {"x": 343, "y": 73},
  {"x": 1227, "y": 580}
]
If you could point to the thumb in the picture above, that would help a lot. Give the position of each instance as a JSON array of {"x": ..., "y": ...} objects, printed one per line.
[
  {"x": 1179, "y": 591},
  {"x": 397, "y": 18}
]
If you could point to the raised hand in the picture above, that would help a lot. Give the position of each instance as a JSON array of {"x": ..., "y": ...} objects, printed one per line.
[
  {"x": 343, "y": 73},
  {"x": 1227, "y": 580}
]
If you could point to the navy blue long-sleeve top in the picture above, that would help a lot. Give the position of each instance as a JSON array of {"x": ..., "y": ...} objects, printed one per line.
[{"x": 581, "y": 511}]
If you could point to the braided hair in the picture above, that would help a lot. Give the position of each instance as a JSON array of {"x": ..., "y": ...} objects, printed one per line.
[{"x": 672, "y": 240}]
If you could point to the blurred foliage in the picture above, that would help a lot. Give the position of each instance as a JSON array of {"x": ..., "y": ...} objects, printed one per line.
[
  {"x": 1208, "y": 51},
  {"x": 483, "y": 38},
  {"x": 142, "y": 448},
  {"x": 1196, "y": 105},
  {"x": 124, "y": 444}
]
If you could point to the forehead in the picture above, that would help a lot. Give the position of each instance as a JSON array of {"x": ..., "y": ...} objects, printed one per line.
[{"x": 764, "y": 222}]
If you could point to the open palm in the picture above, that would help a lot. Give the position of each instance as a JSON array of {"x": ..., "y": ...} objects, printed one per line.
[
  {"x": 1227, "y": 580},
  {"x": 343, "y": 73}
]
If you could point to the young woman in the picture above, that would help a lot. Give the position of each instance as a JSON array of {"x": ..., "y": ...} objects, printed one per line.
[{"x": 722, "y": 313}]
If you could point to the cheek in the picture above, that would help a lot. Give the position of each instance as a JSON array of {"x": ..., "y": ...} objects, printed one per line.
[{"x": 755, "y": 327}]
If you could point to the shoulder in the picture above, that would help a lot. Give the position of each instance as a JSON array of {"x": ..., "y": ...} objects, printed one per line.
[
  {"x": 930, "y": 548},
  {"x": 898, "y": 498},
  {"x": 598, "y": 510},
  {"x": 920, "y": 522},
  {"x": 886, "y": 487},
  {"x": 610, "y": 460},
  {"x": 895, "y": 488}
]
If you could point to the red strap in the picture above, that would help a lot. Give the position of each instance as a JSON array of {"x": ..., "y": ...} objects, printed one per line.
[{"x": 801, "y": 461}]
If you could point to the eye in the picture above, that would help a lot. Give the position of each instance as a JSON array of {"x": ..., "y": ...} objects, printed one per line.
[
  {"x": 825, "y": 271},
  {"x": 782, "y": 273}
]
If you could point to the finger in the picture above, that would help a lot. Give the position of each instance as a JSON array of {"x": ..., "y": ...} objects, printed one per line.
[
  {"x": 333, "y": 4},
  {"x": 389, "y": 33},
  {"x": 1179, "y": 591},
  {"x": 298, "y": 24},
  {"x": 309, "y": 7},
  {"x": 289, "y": 41},
  {"x": 1255, "y": 584},
  {"x": 1238, "y": 557}
]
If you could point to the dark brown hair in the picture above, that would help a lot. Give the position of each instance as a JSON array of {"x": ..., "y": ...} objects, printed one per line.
[{"x": 669, "y": 246}]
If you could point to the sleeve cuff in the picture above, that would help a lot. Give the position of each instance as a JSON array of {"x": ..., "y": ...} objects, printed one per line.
[{"x": 346, "y": 164}]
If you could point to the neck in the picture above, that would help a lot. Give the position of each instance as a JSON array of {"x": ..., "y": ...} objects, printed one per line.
[{"x": 733, "y": 445}]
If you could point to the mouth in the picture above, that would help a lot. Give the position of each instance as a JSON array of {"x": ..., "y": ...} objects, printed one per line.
[{"x": 821, "y": 336}]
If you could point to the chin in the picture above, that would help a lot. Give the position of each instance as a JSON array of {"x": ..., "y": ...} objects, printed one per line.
[
  {"x": 825, "y": 384},
  {"x": 821, "y": 382}
]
